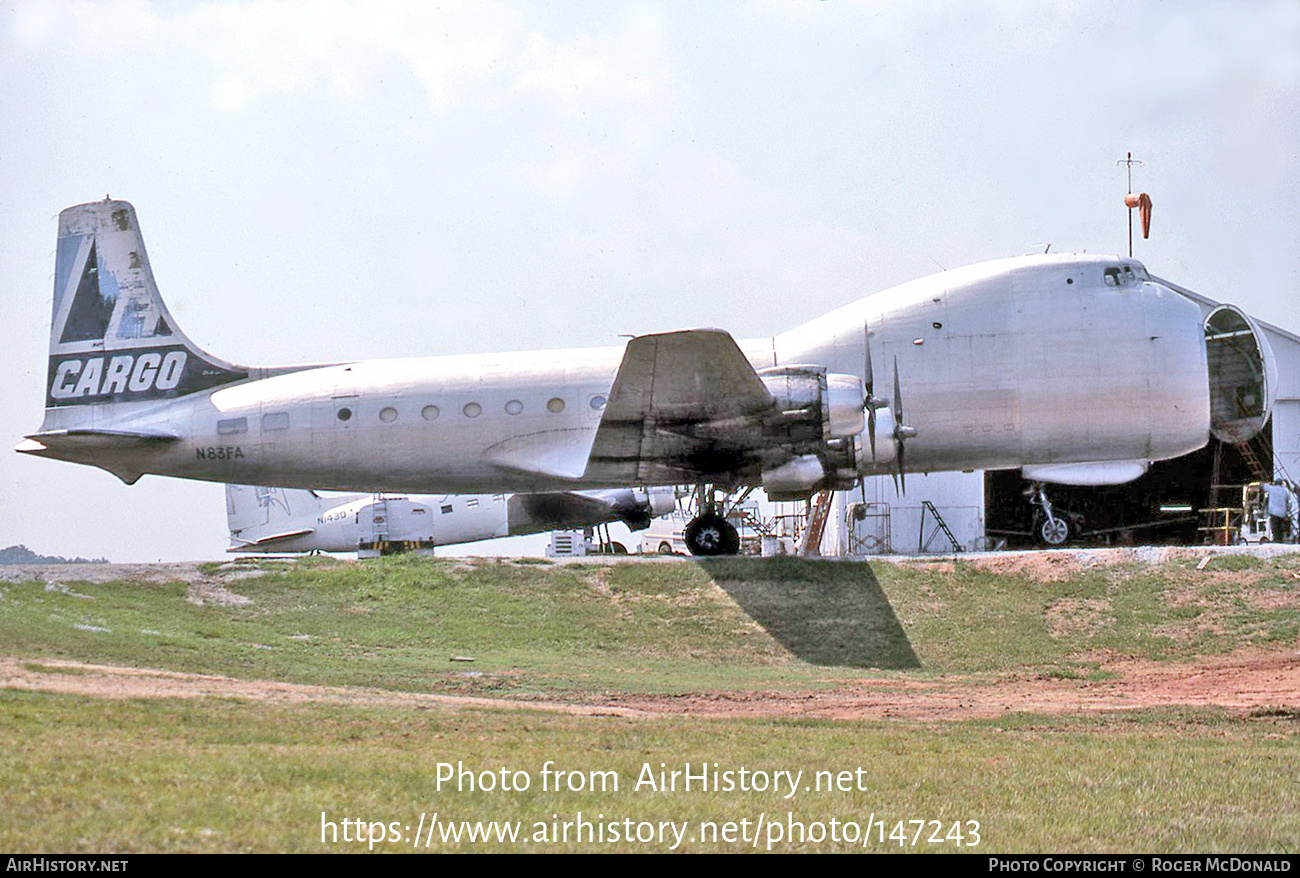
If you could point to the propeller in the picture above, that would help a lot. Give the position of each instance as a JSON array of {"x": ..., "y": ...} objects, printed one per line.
[
  {"x": 869, "y": 402},
  {"x": 901, "y": 430}
]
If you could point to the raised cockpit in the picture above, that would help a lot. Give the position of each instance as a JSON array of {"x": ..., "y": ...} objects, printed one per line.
[{"x": 1125, "y": 274}]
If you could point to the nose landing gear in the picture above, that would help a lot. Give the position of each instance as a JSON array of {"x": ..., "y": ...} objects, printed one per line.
[{"x": 1054, "y": 530}]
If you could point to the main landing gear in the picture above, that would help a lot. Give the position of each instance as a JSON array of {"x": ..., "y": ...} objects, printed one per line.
[{"x": 709, "y": 533}]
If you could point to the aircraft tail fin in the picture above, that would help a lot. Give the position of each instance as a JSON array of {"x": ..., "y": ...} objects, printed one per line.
[
  {"x": 112, "y": 339},
  {"x": 257, "y": 515}
]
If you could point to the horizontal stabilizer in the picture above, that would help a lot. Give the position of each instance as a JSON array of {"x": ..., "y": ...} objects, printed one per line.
[
  {"x": 273, "y": 538},
  {"x": 92, "y": 439}
]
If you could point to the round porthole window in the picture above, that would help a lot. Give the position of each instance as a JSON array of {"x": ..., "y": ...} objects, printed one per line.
[
  {"x": 388, "y": 414},
  {"x": 472, "y": 410},
  {"x": 597, "y": 403},
  {"x": 514, "y": 407},
  {"x": 430, "y": 412},
  {"x": 555, "y": 405},
  {"x": 345, "y": 414}
]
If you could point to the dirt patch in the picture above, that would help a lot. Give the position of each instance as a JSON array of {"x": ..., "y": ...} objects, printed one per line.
[
  {"x": 1037, "y": 567},
  {"x": 110, "y": 681},
  {"x": 202, "y": 588},
  {"x": 98, "y": 573},
  {"x": 1078, "y": 617},
  {"x": 1246, "y": 682},
  {"x": 213, "y": 593}
]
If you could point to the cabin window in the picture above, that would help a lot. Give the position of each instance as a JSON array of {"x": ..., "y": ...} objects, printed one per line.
[
  {"x": 230, "y": 426},
  {"x": 345, "y": 414},
  {"x": 275, "y": 421},
  {"x": 472, "y": 502},
  {"x": 388, "y": 414},
  {"x": 555, "y": 405},
  {"x": 430, "y": 412},
  {"x": 597, "y": 403},
  {"x": 446, "y": 509},
  {"x": 472, "y": 410},
  {"x": 514, "y": 407}
]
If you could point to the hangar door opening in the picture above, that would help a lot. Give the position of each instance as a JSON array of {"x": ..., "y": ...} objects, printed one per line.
[{"x": 1162, "y": 507}]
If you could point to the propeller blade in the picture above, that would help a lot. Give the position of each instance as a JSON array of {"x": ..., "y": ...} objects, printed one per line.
[
  {"x": 898, "y": 395},
  {"x": 900, "y": 431},
  {"x": 867, "y": 378},
  {"x": 869, "y": 381}
]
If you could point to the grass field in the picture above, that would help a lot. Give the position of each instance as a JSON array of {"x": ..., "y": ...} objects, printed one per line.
[{"x": 85, "y": 773}]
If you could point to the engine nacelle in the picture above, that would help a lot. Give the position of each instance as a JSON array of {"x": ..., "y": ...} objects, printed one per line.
[
  {"x": 796, "y": 479},
  {"x": 817, "y": 405}
]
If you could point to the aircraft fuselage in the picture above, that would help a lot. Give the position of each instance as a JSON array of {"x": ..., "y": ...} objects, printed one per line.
[{"x": 1020, "y": 362}]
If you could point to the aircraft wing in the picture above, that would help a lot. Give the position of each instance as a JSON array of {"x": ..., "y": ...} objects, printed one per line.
[{"x": 684, "y": 404}]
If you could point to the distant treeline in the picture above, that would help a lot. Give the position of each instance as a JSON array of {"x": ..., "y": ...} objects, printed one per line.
[{"x": 22, "y": 555}]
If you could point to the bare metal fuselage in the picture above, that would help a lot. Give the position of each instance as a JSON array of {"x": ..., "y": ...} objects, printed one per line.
[{"x": 1036, "y": 361}]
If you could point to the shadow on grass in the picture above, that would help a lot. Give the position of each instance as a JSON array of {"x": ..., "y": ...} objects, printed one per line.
[{"x": 824, "y": 612}]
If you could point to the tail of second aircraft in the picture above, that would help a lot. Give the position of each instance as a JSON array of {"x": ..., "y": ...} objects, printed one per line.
[
  {"x": 112, "y": 339},
  {"x": 261, "y": 519}
]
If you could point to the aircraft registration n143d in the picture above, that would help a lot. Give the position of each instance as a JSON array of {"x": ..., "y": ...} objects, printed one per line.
[
  {"x": 1074, "y": 369},
  {"x": 263, "y": 519}
]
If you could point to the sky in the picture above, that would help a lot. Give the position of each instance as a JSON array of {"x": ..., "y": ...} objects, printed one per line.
[{"x": 324, "y": 180}]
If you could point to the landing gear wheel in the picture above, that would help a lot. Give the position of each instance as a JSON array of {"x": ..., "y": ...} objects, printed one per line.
[
  {"x": 1055, "y": 531},
  {"x": 711, "y": 534},
  {"x": 665, "y": 548}
]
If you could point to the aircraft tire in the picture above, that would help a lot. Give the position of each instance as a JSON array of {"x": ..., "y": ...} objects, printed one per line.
[
  {"x": 665, "y": 548},
  {"x": 711, "y": 534}
]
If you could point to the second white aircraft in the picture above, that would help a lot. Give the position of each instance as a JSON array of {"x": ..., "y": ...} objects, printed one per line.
[{"x": 263, "y": 519}]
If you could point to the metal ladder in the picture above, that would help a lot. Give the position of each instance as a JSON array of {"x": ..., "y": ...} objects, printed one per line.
[
  {"x": 921, "y": 543},
  {"x": 379, "y": 518},
  {"x": 1256, "y": 465},
  {"x": 821, "y": 513}
]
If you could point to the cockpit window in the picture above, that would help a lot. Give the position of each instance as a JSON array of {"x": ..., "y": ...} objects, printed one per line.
[{"x": 1125, "y": 275}]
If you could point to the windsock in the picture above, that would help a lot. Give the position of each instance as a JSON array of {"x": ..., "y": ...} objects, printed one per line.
[{"x": 1143, "y": 203}]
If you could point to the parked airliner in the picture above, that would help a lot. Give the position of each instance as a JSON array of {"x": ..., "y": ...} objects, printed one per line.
[{"x": 1076, "y": 369}]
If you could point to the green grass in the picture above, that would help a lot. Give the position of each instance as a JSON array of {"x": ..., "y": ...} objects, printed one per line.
[
  {"x": 652, "y": 627},
  {"x": 82, "y": 774},
  {"x": 224, "y": 776}
]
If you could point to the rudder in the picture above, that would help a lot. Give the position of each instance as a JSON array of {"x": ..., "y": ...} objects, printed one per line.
[{"x": 111, "y": 336}]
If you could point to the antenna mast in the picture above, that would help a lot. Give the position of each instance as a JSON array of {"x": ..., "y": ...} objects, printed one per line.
[{"x": 1130, "y": 162}]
